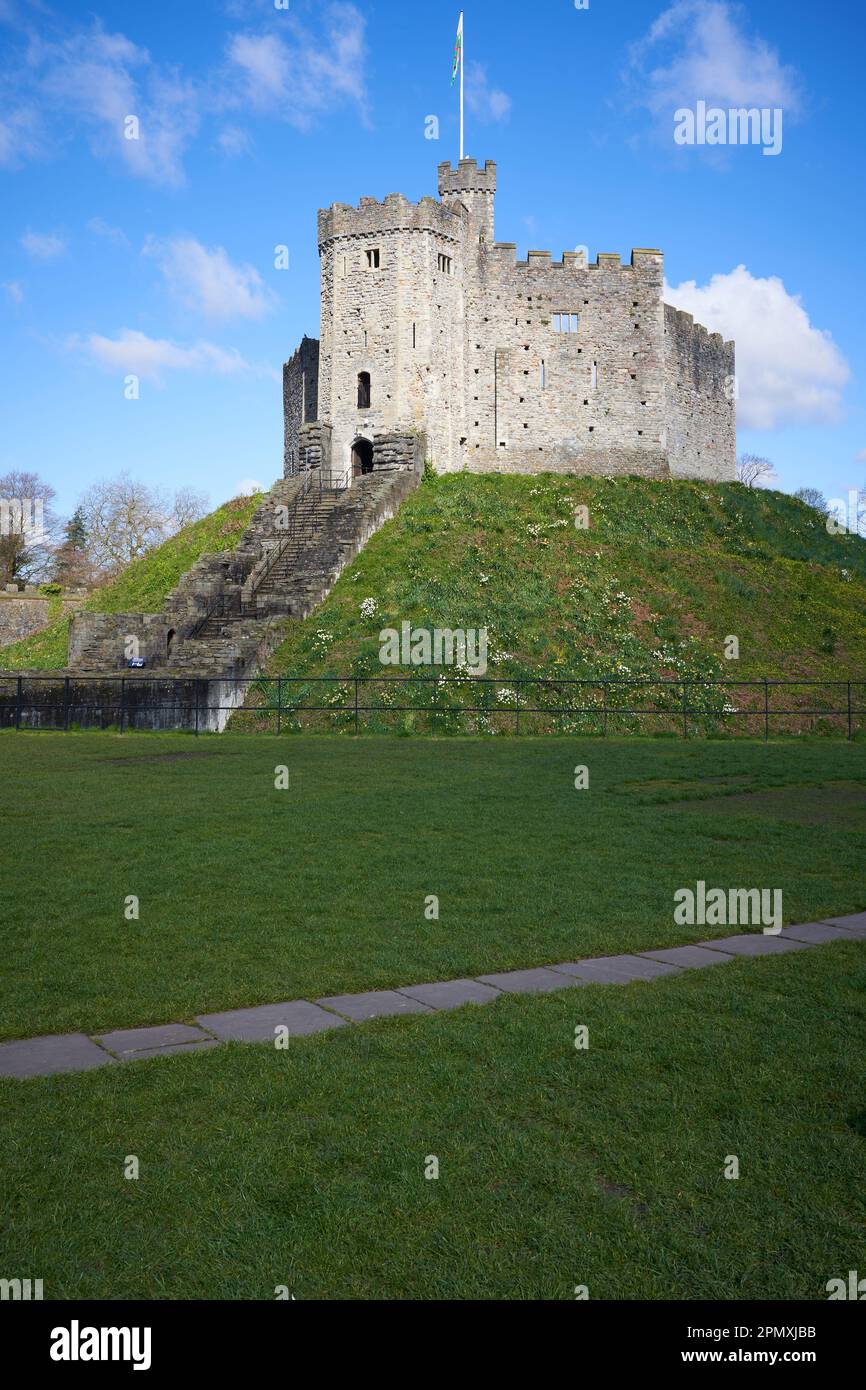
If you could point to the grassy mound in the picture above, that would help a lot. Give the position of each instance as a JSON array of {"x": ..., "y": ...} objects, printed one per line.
[
  {"x": 143, "y": 586},
  {"x": 661, "y": 577}
]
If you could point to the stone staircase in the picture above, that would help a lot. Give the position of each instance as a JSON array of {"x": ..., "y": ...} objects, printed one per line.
[{"x": 228, "y": 613}]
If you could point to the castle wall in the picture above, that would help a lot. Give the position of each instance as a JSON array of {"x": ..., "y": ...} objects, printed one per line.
[
  {"x": 590, "y": 400},
  {"x": 300, "y": 399},
  {"x": 701, "y": 410},
  {"x": 22, "y": 617}
]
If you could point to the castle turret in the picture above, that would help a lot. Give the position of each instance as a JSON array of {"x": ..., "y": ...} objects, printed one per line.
[{"x": 473, "y": 187}]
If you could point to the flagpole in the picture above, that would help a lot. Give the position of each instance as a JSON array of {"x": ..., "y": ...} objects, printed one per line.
[{"x": 462, "y": 63}]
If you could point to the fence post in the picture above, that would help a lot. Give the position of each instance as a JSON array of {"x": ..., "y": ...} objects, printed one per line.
[
  {"x": 122, "y": 702},
  {"x": 685, "y": 710},
  {"x": 18, "y": 706},
  {"x": 356, "y": 704},
  {"x": 850, "y": 715},
  {"x": 766, "y": 709},
  {"x": 195, "y": 686},
  {"x": 517, "y": 707},
  {"x": 279, "y": 703},
  {"x": 604, "y": 699},
  {"x": 65, "y": 704}
]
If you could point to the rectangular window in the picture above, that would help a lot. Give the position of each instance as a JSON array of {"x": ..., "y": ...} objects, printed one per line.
[
  {"x": 373, "y": 259},
  {"x": 566, "y": 323},
  {"x": 594, "y": 374},
  {"x": 444, "y": 264},
  {"x": 543, "y": 375}
]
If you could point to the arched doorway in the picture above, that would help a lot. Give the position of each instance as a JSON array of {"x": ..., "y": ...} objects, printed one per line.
[
  {"x": 169, "y": 641},
  {"x": 362, "y": 457}
]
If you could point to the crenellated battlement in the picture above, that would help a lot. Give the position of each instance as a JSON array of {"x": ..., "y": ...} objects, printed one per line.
[
  {"x": 684, "y": 326},
  {"x": 642, "y": 259},
  {"x": 394, "y": 213},
  {"x": 467, "y": 177}
]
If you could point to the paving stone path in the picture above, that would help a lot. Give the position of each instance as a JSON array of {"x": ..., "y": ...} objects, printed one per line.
[{"x": 65, "y": 1052}]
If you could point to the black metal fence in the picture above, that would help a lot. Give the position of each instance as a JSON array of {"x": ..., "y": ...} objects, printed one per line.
[{"x": 446, "y": 703}]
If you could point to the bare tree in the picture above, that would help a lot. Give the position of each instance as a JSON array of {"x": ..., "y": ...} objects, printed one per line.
[
  {"x": 188, "y": 506},
  {"x": 122, "y": 519},
  {"x": 813, "y": 498},
  {"x": 27, "y": 526},
  {"x": 754, "y": 471}
]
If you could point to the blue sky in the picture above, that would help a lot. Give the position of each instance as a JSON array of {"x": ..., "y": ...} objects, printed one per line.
[{"x": 156, "y": 256}]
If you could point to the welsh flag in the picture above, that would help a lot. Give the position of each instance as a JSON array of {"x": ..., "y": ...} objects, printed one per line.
[{"x": 458, "y": 50}]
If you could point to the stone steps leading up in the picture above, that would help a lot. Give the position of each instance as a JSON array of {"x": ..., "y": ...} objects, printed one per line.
[{"x": 225, "y": 616}]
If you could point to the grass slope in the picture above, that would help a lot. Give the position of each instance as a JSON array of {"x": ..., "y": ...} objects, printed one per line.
[
  {"x": 662, "y": 576},
  {"x": 143, "y": 586},
  {"x": 249, "y": 894},
  {"x": 558, "y": 1167}
]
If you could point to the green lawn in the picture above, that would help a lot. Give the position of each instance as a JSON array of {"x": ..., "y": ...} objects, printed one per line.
[
  {"x": 250, "y": 894},
  {"x": 558, "y": 1167}
]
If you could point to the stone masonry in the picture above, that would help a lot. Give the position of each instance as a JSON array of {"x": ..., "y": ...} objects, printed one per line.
[
  {"x": 429, "y": 327},
  {"x": 24, "y": 612}
]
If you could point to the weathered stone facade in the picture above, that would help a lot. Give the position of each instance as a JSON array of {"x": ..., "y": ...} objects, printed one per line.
[
  {"x": 32, "y": 610},
  {"x": 300, "y": 396},
  {"x": 430, "y": 327}
]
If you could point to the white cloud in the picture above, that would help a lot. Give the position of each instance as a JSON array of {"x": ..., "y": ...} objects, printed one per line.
[
  {"x": 207, "y": 281},
  {"x": 247, "y": 486},
  {"x": 861, "y": 457},
  {"x": 234, "y": 142},
  {"x": 93, "y": 80},
  {"x": 103, "y": 229},
  {"x": 266, "y": 63},
  {"x": 43, "y": 246},
  {"x": 14, "y": 290},
  {"x": 133, "y": 352},
  {"x": 788, "y": 371},
  {"x": 696, "y": 50},
  {"x": 297, "y": 76},
  {"x": 102, "y": 79},
  {"x": 487, "y": 103},
  {"x": 19, "y": 137}
]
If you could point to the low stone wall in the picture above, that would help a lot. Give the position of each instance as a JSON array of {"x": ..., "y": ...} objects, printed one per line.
[
  {"x": 103, "y": 641},
  {"x": 23, "y": 613},
  {"x": 67, "y": 700}
]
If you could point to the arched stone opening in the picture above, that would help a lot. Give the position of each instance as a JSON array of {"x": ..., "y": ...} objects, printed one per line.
[{"x": 362, "y": 458}]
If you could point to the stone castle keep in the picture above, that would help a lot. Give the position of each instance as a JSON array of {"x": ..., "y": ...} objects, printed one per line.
[{"x": 437, "y": 342}]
